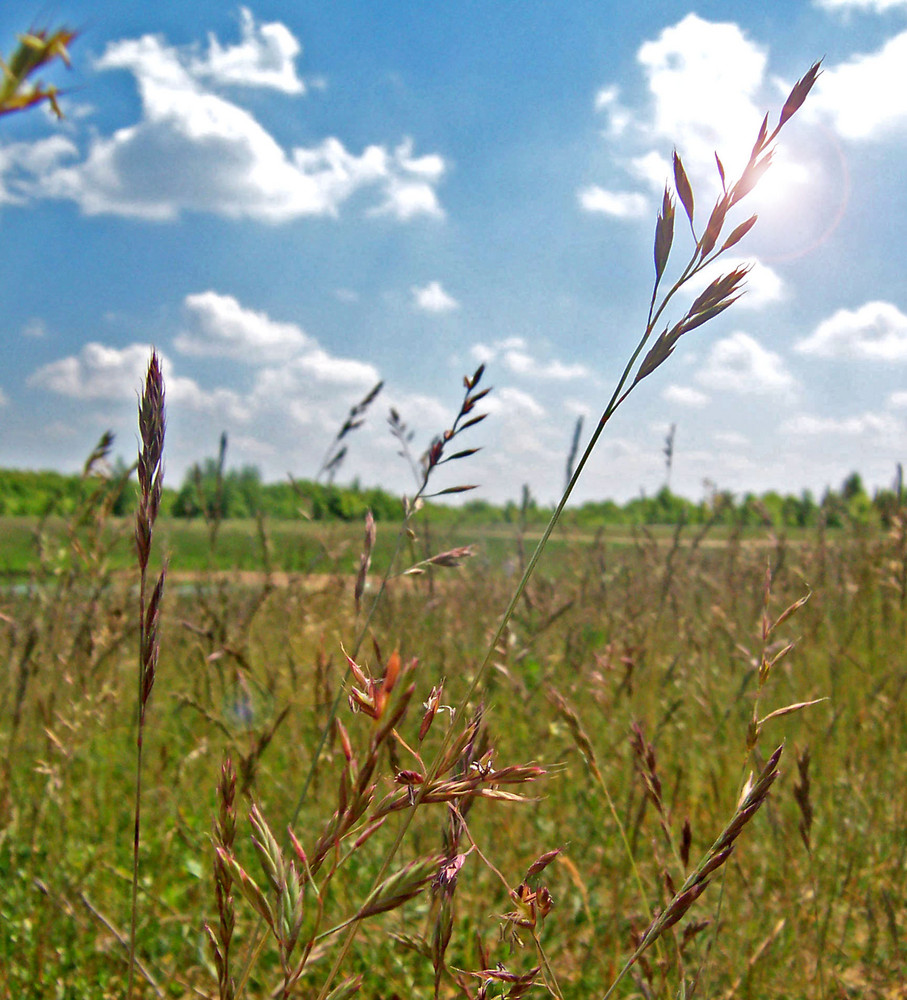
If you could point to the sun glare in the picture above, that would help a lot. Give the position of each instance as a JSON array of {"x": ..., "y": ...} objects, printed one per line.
[{"x": 800, "y": 200}]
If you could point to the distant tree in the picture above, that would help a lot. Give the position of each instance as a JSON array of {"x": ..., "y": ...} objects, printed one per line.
[{"x": 852, "y": 487}]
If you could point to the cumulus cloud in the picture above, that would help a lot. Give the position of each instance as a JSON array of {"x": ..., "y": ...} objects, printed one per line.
[
  {"x": 20, "y": 162},
  {"x": 100, "y": 373},
  {"x": 876, "y": 331},
  {"x": 433, "y": 298},
  {"x": 739, "y": 363},
  {"x": 220, "y": 327},
  {"x": 292, "y": 406},
  {"x": 866, "y": 96},
  {"x": 620, "y": 204},
  {"x": 877, "y": 6},
  {"x": 97, "y": 372},
  {"x": 409, "y": 189},
  {"x": 195, "y": 150},
  {"x": 488, "y": 352},
  {"x": 708, "y": 87},
  {"x": 265, "y": 57},
  {"x": 863, "y": 425},
  {"x": 513, "y": 403},
  {"x": 513, "y": 353},
  {"x": 291, "y": 368},
  {"x": 684, "y": 395},
  {"x": 333, "y": 371},
  {"x": 704, "y": 77}
]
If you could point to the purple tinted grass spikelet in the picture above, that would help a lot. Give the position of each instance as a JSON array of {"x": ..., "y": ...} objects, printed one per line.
[
  {"x": 803, "y": 799},
  {"x": 151, "y": 477},
  {"x": 644, "y": 360},
  {"x": 224, "y": 837},
  {"x": 336, "y": 451}
]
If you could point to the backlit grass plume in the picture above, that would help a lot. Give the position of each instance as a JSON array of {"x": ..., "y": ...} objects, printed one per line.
[{"x": 718, "y": 296}]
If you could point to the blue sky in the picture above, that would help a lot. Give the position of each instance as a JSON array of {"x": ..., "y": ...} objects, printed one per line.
[{"x": 294, "y": 201}]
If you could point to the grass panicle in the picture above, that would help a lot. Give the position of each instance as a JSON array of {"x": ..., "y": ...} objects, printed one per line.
[{"x": 151, "y": 476}]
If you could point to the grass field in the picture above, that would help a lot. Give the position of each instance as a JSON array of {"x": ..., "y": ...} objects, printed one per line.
[
  {"x": 665, "y": 636},
  {"x": 662, "y": 765}
]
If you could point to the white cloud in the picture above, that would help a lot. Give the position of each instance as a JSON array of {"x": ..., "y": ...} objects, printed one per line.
[
  {"x": 620, "y": 204},
  {"x": 512, "y": 352},
  {"x": 289, "y": 407},
  {"x": 330, "y": 370},
  {"x": 21, "y": 161},
  {"x": 433, "y": 298},
  {"x": 294, "y": 374},
  {"x": 265, "y": 57},
  {"x": 898, "y": 400},
  {"x": 488, "y": 352},
  {"x": 684, "y": 395},
  {"x": 619, "y": 117},
  {"x": 98, "y": 372},
  {"x": 878, "y": 6},
  {"x": 708, "y": 90},
  {"x": 652, "y": 168},
  {"x": 731, "y": 439},
  {"x": 864, "y": 425},
  {"x": 876, "y": 331},
  {"x": 867, "y": 95},
  {"x": 4, "y": 399},
  {"x": 430, "y": 167},
  {"x": 194, "y": 150},
  {"x": 35, "y": 329},
  {"x": 521, "y": 363},
  {"x": 102, "y": 373},
  {"x": 763, "y": 286},
  {"x": 606, "y": 97},
  {"x": 739, "y": 363},
  {"x": 704, "y": 77},
  {"x": 221, "y": 327},
  {"x": 512, "y": 402},
  {"x": 410, "y": 190}
]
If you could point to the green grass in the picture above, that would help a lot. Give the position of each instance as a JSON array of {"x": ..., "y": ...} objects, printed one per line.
[
  {"x": 315, "y": 547},
  {"x": 624, "y": 632}
]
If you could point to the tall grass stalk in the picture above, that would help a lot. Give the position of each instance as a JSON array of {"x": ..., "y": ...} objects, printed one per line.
[
  {"x": 718, "y": 296},
  {"x": 151, "y": 477}
]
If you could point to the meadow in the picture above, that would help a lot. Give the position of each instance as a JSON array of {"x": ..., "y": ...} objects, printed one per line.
[
  {"x": 274, "y": 760},
  {"x": 630, "y": 673}
]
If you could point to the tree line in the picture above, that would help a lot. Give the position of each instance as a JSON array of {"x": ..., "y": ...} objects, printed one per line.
[{"x": 208, "y": 491}]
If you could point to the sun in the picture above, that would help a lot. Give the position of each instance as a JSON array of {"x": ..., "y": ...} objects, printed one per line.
[{"x": 801, "y": 199}]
